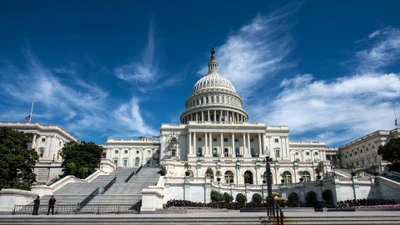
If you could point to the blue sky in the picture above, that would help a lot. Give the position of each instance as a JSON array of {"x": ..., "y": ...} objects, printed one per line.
[{"x": 327, "y": 69}]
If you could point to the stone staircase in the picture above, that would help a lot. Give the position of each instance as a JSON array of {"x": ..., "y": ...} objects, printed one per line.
[
  {"x": 128, "y": 193},
  {"x": 224, "y": 218}
]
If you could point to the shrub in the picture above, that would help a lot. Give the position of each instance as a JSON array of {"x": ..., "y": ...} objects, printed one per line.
[
  {"x": 257, "y": 198},
  {"x": 216, "y": 196},
  {"x": 228, "y": 198},
  {"x": 240, "y": 198}
]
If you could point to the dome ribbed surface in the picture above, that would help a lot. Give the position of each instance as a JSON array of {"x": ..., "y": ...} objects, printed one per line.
[{"x": 214, "y": 80}]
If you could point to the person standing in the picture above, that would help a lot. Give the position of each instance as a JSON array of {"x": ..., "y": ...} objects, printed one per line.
[
  {"x": 36, "y": 204},
  {"x": 52, "y": 203}
]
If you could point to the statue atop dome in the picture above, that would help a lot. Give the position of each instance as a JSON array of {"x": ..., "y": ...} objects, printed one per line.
[{"x": 212, "y": 54}]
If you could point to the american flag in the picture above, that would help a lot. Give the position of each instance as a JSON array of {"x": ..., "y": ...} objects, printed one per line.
[
  {"x": 395, "y": 122},
  {"x": 27, "y": 118}
]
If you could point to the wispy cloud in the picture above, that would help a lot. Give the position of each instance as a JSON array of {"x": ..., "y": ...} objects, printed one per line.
[
  {"x": 129, "y": 115},
  {"x": 345, "y": 108},
  {"x": 347, "y": 104},
  {"x": 64, "y": 70},
  {"x": 257, "y": 50},
  {"x": 384, "y": 50},
  {"x": 80, "y": 107},
  {"x": 145, "y": 69}
]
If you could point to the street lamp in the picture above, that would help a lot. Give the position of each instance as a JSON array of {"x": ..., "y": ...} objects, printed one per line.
[{"x": 270, "y": 199}]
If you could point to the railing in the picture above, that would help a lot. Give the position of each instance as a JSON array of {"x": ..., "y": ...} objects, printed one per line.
[
  {"x": 105, "y": 188},
  {"x": 130, "y": 176},
  {"x": 71, "y": 209},
  {"x": 137, "y": 171},
  {"x": 85, "y": 201},
  {"x": 58, "y": 209},
  {"x": 274, "y": 210}
]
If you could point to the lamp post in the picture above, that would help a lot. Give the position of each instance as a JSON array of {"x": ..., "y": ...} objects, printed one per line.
[{"x": 270, "y": 199}]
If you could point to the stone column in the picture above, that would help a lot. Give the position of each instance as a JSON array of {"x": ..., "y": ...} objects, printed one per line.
[
  {"x": 222, "y": 145},
  {"x": 202, "y": 116},
  {"x": 259, "y": 145},
  {"x": 208, "y": 118},
  {"x": 33, "y": 142},
  {"x": 248, "y": 145},
  {"x": 190, "y": 142},
  {"x": 233, "y": 145},
  {"x": 215, "y": 115},
  {"x": 283, "y": 150},
  {"x": 194, "y": 144},
  {"x": 262, "y": 146},
  {"x": 244, "y": 145},
  {"x": 205, "y": 144},
  {"x": 211, "y": 141}
]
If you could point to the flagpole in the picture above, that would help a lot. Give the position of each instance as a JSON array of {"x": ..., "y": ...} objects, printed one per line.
[{"x": 30, "y": 118}]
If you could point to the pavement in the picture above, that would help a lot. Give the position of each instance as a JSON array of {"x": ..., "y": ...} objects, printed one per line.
[{"x": 231, "y": 214}]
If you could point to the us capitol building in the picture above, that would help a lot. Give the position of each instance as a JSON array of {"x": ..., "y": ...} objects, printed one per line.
[{"x": 215, "y": 133}]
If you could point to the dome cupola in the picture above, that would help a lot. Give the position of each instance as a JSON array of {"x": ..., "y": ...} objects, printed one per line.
[{"x": 214, "y": 99}]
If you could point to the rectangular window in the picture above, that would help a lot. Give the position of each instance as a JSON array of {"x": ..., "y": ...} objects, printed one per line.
[
  {"x": 277, "y": 154},
  {"x": 116, "y": 161},
  {"x": 225, "y": 139},
  {"x": 307, "y": 153},
  {"x": 116, "y": 151},
  {"x": 43, "y": 139},
  {"x": 236, "y": 139},
  {"x": 276, "y": 140},
  {"x": 214, "y": 139},
  {"x": 199, "y": 139},
  {"x": 126, "y": 151},
  {"x": 125, "y": 163},
  {"x": 251, "y": 139}
]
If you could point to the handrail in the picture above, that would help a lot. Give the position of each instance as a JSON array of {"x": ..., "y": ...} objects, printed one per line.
[
  {"x": 85, "y": 201},
  {"x": 137, "y": 171},
  {"x": 274, "y": 210},
  {"x": 129, "y": 177},
  {"x": 105, "y": 188}
]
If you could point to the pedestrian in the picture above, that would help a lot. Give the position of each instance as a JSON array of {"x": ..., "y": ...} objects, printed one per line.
[
  {"x": 36, "y": 204},
  {"x": 52, "y": 203}
]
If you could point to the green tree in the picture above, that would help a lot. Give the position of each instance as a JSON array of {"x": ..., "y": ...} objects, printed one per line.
[
  {"x": 16, "y": 160},
  {"x": 80, "y": 159},
  {"x": 391, "y": 153}
]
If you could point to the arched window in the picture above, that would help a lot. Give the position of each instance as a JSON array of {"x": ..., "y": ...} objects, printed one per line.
[
  {"x": 306, "y": 176},
  {"x": 226, "y": 152},
  {"x": 137, "y": 161},
  {"x": 215, "y": 152},
  {"x": 287, "y": 177},
  {"x": 199, "y": 152},
  {"x": 264, "y": 177},
  {"x": 248, "y": 177},
  {"x": 228, "y": 177}
]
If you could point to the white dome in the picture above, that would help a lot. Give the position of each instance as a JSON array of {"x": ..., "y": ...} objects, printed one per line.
[{"x": 214, "y": 80}]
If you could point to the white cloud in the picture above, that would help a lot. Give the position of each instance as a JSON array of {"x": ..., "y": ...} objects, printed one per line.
[
  {"x": 75, "y": 104},
  {"x": 129, "y": 115},
  {"x": 384, "y": 51},
  {"x": 64, "y": 70},
  {"x": 354, "y": 105},
  {"x": 256, "y": 51},
  {"x": 145, "y": 69}
]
